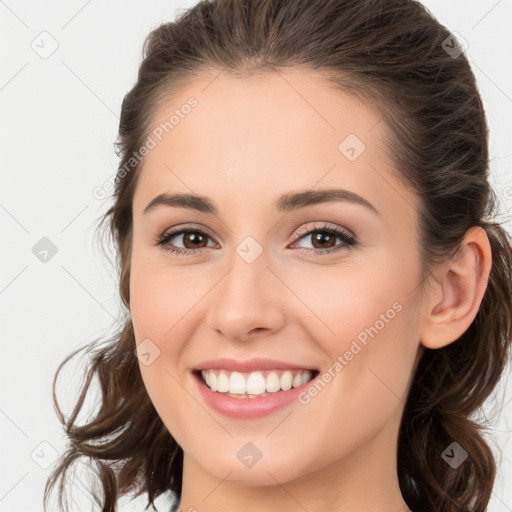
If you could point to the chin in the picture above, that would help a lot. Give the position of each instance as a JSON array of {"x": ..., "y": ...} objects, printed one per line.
[{"x": 263, "y": 472}]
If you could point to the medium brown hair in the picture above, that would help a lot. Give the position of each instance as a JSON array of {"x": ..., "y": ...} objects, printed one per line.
[{"x": 391, "y": 55}]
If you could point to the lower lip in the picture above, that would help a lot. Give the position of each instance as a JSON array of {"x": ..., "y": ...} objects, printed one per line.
[{"x": 248, "y": 407}]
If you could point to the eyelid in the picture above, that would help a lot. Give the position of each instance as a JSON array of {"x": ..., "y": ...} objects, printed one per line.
[
  {"x": 190, "y": 227},
  {"x": 325, "y": 226}
]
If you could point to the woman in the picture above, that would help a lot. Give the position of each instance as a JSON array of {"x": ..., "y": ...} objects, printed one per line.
[{"x": 318, "y": 298}]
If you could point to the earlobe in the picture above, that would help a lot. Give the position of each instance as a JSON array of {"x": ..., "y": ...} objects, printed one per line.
[{"x": 453, "y": 301}]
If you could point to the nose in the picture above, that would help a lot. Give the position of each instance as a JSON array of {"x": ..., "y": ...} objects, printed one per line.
[{"x": 247, "y": 301}]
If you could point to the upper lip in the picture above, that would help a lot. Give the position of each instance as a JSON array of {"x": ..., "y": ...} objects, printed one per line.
[{"x": 250, "y": 365}]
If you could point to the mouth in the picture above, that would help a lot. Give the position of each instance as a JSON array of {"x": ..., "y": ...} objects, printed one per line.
[{"x": 255, "y": 384}]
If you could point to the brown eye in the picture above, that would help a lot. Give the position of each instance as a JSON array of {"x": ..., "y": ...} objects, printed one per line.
[
  {"x": 196, "y": 239},
  {"x": 323, "y": 238},
  {"x": 192, "y": 240}
]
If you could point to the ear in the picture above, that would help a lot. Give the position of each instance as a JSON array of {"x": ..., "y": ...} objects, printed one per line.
[{"x": 457, "y": 291}]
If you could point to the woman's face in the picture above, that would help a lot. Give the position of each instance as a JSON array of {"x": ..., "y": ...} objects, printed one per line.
[{"x": 256, "y": 276}]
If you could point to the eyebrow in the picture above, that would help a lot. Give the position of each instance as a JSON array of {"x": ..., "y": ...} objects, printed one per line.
[{"x": 285, "y": 203}]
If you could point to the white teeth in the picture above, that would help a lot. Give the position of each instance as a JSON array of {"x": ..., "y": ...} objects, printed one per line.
[
  {"x": 273, "y": 383},
  {"x": 297, "y": 380},
  {"x": 306, "y": 376},
  {"x": 222, "y": 382},
  {"x": 286, "y": 380},
  {"x": 254, "y": 384},
  {"x": 237, "y": 384},
  {"x": 213, "y": 381}
]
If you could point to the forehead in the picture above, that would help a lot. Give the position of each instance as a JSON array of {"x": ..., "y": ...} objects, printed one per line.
[
  {"x": 290, "y": 105},
  {"x": 264, "y": 132}
]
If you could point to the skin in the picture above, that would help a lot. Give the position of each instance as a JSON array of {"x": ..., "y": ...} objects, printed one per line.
[{"x": 249, "y": 140}]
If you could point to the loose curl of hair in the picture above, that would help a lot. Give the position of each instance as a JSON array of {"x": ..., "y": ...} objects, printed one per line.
[{"x": 389, "y": 54}]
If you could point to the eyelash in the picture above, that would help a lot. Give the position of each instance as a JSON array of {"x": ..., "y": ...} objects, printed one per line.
[{"x": 348, "y": 240}]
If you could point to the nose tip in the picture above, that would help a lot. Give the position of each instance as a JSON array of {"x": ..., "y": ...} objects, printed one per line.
[{"x": 242, "y": 336}]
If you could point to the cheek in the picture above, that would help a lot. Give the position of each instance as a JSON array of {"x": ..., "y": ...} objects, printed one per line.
[
  {"x": 155, "y": 314},
  {"x": 367, "y": 385},
  {"x": 151, "y": 310},
  {"x": 366, "y": 318},
  {"x": 363, "y": 300},
  {"x": 160, "y": 322},
  {"x": 160, "y": 300}
]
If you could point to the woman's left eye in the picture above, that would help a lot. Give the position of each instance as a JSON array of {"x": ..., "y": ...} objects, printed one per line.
[{"x": 325, "y": 236}]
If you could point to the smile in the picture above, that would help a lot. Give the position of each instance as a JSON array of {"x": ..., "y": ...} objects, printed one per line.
[{"x": 254, "y": 384}]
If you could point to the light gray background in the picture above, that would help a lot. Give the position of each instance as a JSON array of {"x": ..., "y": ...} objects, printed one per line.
[{"x": 59, "y": 119}]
